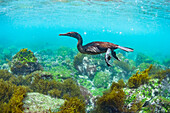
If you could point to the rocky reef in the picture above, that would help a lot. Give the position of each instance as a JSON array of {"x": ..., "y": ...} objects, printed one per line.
[
  {"x": 65, "y": 81},
  {"x": 24, "y": 62}
]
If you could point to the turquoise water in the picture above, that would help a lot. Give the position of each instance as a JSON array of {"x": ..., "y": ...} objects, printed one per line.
[
  {"x": 35, "y": 24},
  {"x": 52, "y": 65}
]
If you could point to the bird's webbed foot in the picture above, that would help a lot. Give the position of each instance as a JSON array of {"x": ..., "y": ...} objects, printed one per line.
[
  {"x": 114, "y": 55},
  {"x": 107, "y": 57}
]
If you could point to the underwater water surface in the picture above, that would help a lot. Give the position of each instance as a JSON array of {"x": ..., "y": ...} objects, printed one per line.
[{"x": 41, "y": 71}]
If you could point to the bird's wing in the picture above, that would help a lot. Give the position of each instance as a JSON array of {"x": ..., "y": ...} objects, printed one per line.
[{"x": 93, "y": 49}]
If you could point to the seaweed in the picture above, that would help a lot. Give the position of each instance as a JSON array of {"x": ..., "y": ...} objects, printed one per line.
[
  {"x": 6, "y": 91},
  {"x": 73, "y": 105},
  {"x": 21, "y": 80},
  {"x": 111, "y": 102},
  {"x": 118, "y": 85},
  {"x": 71, "y": 88},
  {"x": 11, "y": 97},
  {"x": 5, "y": 75},
  {"x": 54, "y": 93},
  {"x": 15, "y": 103},
  {"x": 139, "y": 78},
  {"x": 115, "y": 101},
  {"x": 68, "y": 88},
  {"x": 42, "y": 83}
]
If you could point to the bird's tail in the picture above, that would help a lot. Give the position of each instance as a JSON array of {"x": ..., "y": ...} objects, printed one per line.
[{"x": 125, "y": 48}]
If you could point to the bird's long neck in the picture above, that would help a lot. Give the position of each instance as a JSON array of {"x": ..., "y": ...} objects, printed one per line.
[{"x": 79, "y": 44}]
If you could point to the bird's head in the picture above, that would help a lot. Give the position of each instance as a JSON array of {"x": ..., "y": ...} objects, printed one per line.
[{"x": 71, "y": 34}]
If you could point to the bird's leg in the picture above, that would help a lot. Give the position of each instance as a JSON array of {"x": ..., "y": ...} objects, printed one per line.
[
  {"x": 107, "y": 57},
  {"x": 114, "y": 55}
]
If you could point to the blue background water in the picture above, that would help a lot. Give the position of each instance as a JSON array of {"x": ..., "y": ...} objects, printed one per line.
[{"x": 35, "y": 24}]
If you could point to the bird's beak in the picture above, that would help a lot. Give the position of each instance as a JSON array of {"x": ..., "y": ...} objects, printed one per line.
[{"x": 63, "y": 34}]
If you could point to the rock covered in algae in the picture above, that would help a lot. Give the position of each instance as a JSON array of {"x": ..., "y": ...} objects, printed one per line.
[
  {"x": 24, "y": 62},
  {"x": 149, "y": 96},
  {"x": 36, "y": 102},
  {"x": 101, "y": 79},
  {"x": 84, "y": 65}
]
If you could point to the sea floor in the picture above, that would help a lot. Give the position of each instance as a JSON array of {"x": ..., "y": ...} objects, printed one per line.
[{"x": 65, "y": 81}]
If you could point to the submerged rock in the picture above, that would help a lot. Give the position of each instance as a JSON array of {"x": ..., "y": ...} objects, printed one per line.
[
  {"x": 149, "y": 95},
  {"x": 165, "y": 87},
  {"x": 84, "y": 66},
  {"x": 36, "y": 102},
  {"x": 102, "y": 79},
  {"x": 24, "y": 62}
]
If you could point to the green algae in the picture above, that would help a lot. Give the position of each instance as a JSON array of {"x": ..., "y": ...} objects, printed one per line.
[
  {"x": 85, "y": 83},
  {"x": 101, "y": 79},
  {"x": 61, "y": 72},
  {"x": 25, "y": 55},
  {"x": 158, "y": 101},
  {"x": 98, "y": 91}
]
